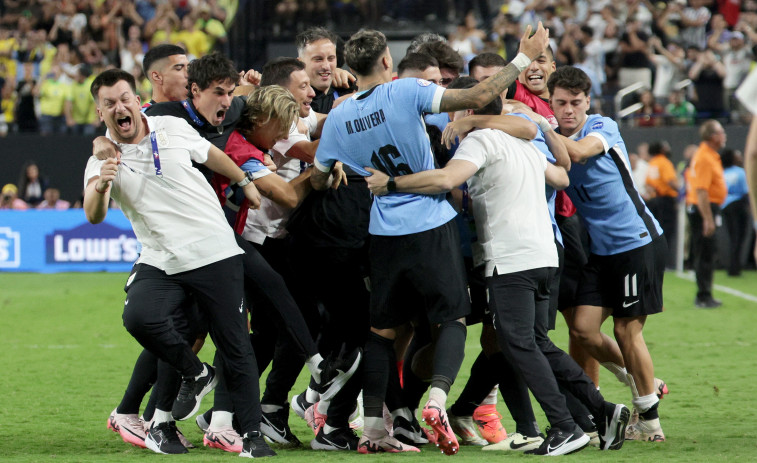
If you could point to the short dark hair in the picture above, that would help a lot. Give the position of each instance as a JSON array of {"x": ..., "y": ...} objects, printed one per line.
[
  {"x": 493, "y": 108},
  {"x": 728, "y": 157},
  {"x": 447, "y": 56},
  {"x": 570, "y": 78},
  {"x": 363, "y": 50},
  {"x": 659, "y": 147},
  {"x": 313, "y": 34},
  {"x": 486, "y": 60},
  {"x": 278, "y": 71},
  {"x": 110, "y": 78},
  {"x": 416, "y": 61},
  {"x": 211, "y": 68},
  {"x": 158, "y": 53}
]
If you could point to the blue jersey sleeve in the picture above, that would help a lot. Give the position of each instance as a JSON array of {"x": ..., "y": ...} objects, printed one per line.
[
  {"x": 606, "y": 129},
  {"x": 539, "y": 140}
]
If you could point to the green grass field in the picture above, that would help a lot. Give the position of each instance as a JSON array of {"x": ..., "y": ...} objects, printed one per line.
[{"x": 66, "y": 360}]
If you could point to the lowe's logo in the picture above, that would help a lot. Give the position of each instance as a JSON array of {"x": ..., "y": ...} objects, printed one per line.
[
  {"x": 10, "y": 248},
  {"x": 89, "y": 243}
]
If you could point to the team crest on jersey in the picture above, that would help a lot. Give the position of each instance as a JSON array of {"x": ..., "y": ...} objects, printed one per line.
[
  {"x": 423, "y": 83},
  {"x": 162, "y": 137},
  {"x": 597, "y": 125}
]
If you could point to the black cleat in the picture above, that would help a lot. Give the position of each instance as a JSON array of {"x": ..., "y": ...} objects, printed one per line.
[
  {"x": 336, "y": 372},
  {"x": 275, "y": 426},
  {"x": 338, "y": 439},
  {"x": 164, "y": 438},
  {"x": 612, "y": 426},
  {"x": 255, "y": 446}
]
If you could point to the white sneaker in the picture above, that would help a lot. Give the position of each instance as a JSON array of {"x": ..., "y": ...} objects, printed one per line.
[
  {"x": 517, "y": 442},
  {"x": 645, "y": 431},
  {"x": 466, "y": 428}
]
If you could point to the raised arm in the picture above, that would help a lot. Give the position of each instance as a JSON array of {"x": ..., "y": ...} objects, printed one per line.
[{"x": 486, "y": 91}]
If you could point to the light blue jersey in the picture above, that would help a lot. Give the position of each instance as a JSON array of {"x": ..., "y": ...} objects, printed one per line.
[
  {"x": 603, "y": 192},
  {"x": 541, "y": 144},
  {"x": 383, "y": 128},
  {"x": 735, "y": 179}
]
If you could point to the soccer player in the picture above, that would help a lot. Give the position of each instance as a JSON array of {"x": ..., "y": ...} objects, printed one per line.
[
  {"x": 623, "y": 277},
  {"x": 165, "y": 66},
  {"x": 414, "y": 245},
  {"x": 520, "y": 256},
  {"x": 178, "y": 254}
]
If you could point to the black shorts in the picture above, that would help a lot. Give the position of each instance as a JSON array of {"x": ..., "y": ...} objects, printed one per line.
[
  {"x": 417, "y": 272},
  {"x": 629, "y": 283},
  {"x": 574, "y": 237},
  {"x": 477, "y": 290}
]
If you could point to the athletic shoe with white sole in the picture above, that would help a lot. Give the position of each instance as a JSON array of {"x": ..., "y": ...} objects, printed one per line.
[
  {"x": 612, "y": 426},
  {"x": 255, "y": 446},
  {"x": 466, "y": 429},
  {"x": 275, "y": 426},
  {"x": 336, "y": 372},
  {"x": 300, "y": 404},
  {"x": 517, "y": 442},
  {"x": 203, "y": 422},
  {"x": 436, "y": 417},
  {"x": 489, "y": 425},
  {"x": 129, "y": 426},
  {"x": 224, "y": 438},
  {"x": 164, "y": 438},
  {"x": 409, "y": 433},
  {"x": 559, "y": 442},
  {"x": 387, "y": 444},
  {"x": 338, "y": 439},
  {"x": 315, "y": 419},
  {"x": 644, "y": 431},
  {"x": 191, "y": 393}
]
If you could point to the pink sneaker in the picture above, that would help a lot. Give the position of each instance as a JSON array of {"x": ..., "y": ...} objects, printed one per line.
[
  {"x": 387, "y": 444},
  {"x": 224, "y": 438},
  {"x": 314, "y": 419},
  {"x": 129, "y": 427},
  {"x": 489, "y": 425},
  {"x": 436, "y": 417}
]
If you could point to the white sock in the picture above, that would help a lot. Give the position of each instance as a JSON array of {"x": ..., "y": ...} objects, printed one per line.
[
  {"x": 161, "y": 416},
  {"x": 221, "y": 419},
  {"x": 491, "y": 399},
  {"x": 646, "y": 402},
  {"x": 313, "y": 366},
  {"x": 373, "y": 428},
  {"x": 620, "y": 372},
  {"x": 203, "y": 372},
  {"x": 270, "y": 408},
  {"x": 312, "y": 396},
  {"x": 323, "y": 406},
  {"x": 404, "y": 412},
  {"x": 439, "y": 396}
]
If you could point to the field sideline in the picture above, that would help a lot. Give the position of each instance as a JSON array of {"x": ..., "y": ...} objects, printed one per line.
[{"x": 67, "y": 359}]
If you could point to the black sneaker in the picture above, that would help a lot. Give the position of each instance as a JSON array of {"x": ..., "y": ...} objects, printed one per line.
[
  {"x": 255, "y": 446},
  {"x": 164, "y": 438},
  {"x": 409, "y": 433},
  {"x": 300, "y": 404},
  {"x": 559, "y": 442},
  {"x": 707, "y": 303},
  {"x": 191, "y": 393},
  {"x": 336, "y": 372},
  {"x": 612, "y": 426},
  {"x": 275, "y": 426},
  {"x": 338, "y": 439}
]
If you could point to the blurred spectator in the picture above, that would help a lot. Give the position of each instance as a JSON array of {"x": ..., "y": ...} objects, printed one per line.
[
  {"x": 639, "y": 161},
  {"x": 669, "y": 67},
  {"x": 162, "y": 26},
  {"x": 662, "y": 188},
  {"x": 678, "y": 110},
  {"x": 651, "y": 113},
  {"x": 736, "y": 216},
  {"x": 468, "y": 39},
  {"x": 694, "y": 19},
  {"x": 31, "y": 184},
  {"x": 197, "y": 43},
  {"x": 81, "y": 115},
  {"x": 635, "y": 66},
  {"x": 52, "y": 201},
  {"x": 737, "y": 61},
  {"x": 132, "y": 50},
  {"x": 10, "y": 200},
  {"x": 68, "y": 25},
  {"x": 52, "y": 99},
  {"x": 27, "y": 91},
  {"x": 216, "y": 30},
  {"x": 708, "y": 74}
]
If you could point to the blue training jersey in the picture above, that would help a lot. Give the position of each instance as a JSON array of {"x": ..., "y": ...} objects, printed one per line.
[
  {"x": 735, "y": 180},
  {"x": 603, "y": 192},
  {"x": 383, "y": 128}
]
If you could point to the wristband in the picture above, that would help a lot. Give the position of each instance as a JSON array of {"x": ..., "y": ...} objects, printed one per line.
[
  {"x": 104, "y": 191},
  {"x": 522, "y": 61},
  {"x": 247, "y": 179},
  {"x": 544, "y": 125}
]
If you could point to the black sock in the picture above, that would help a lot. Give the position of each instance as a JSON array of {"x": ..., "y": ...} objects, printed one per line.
[
  {"x": 449, "y": 354},
  {"x": 650, "y": 414},
  {"x": 480, "y": 383},
  {"x": 378, "y": 355}
]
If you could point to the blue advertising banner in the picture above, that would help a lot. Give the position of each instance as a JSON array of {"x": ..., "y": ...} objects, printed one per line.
[{"x": 63, "y": 241}]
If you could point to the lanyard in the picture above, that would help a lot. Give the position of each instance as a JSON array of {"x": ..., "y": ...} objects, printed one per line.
[
  {"x": 192, "y": 114},
  {"x": 155, "y": 154}
]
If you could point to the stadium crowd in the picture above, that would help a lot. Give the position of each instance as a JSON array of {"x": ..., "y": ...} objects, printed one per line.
[{"x": 393, "y": 185}]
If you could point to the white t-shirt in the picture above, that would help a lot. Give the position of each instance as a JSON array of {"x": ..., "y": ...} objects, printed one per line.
[
  {"x": 509, "y": 206},
  {"x": 177, "y": 219},
  {"x": 270, "y": 220}
]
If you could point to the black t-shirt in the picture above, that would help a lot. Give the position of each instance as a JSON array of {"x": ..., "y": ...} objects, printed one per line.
[
  {"x": 636, "y": 59},
  {"x": 217, "y": 135}
]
